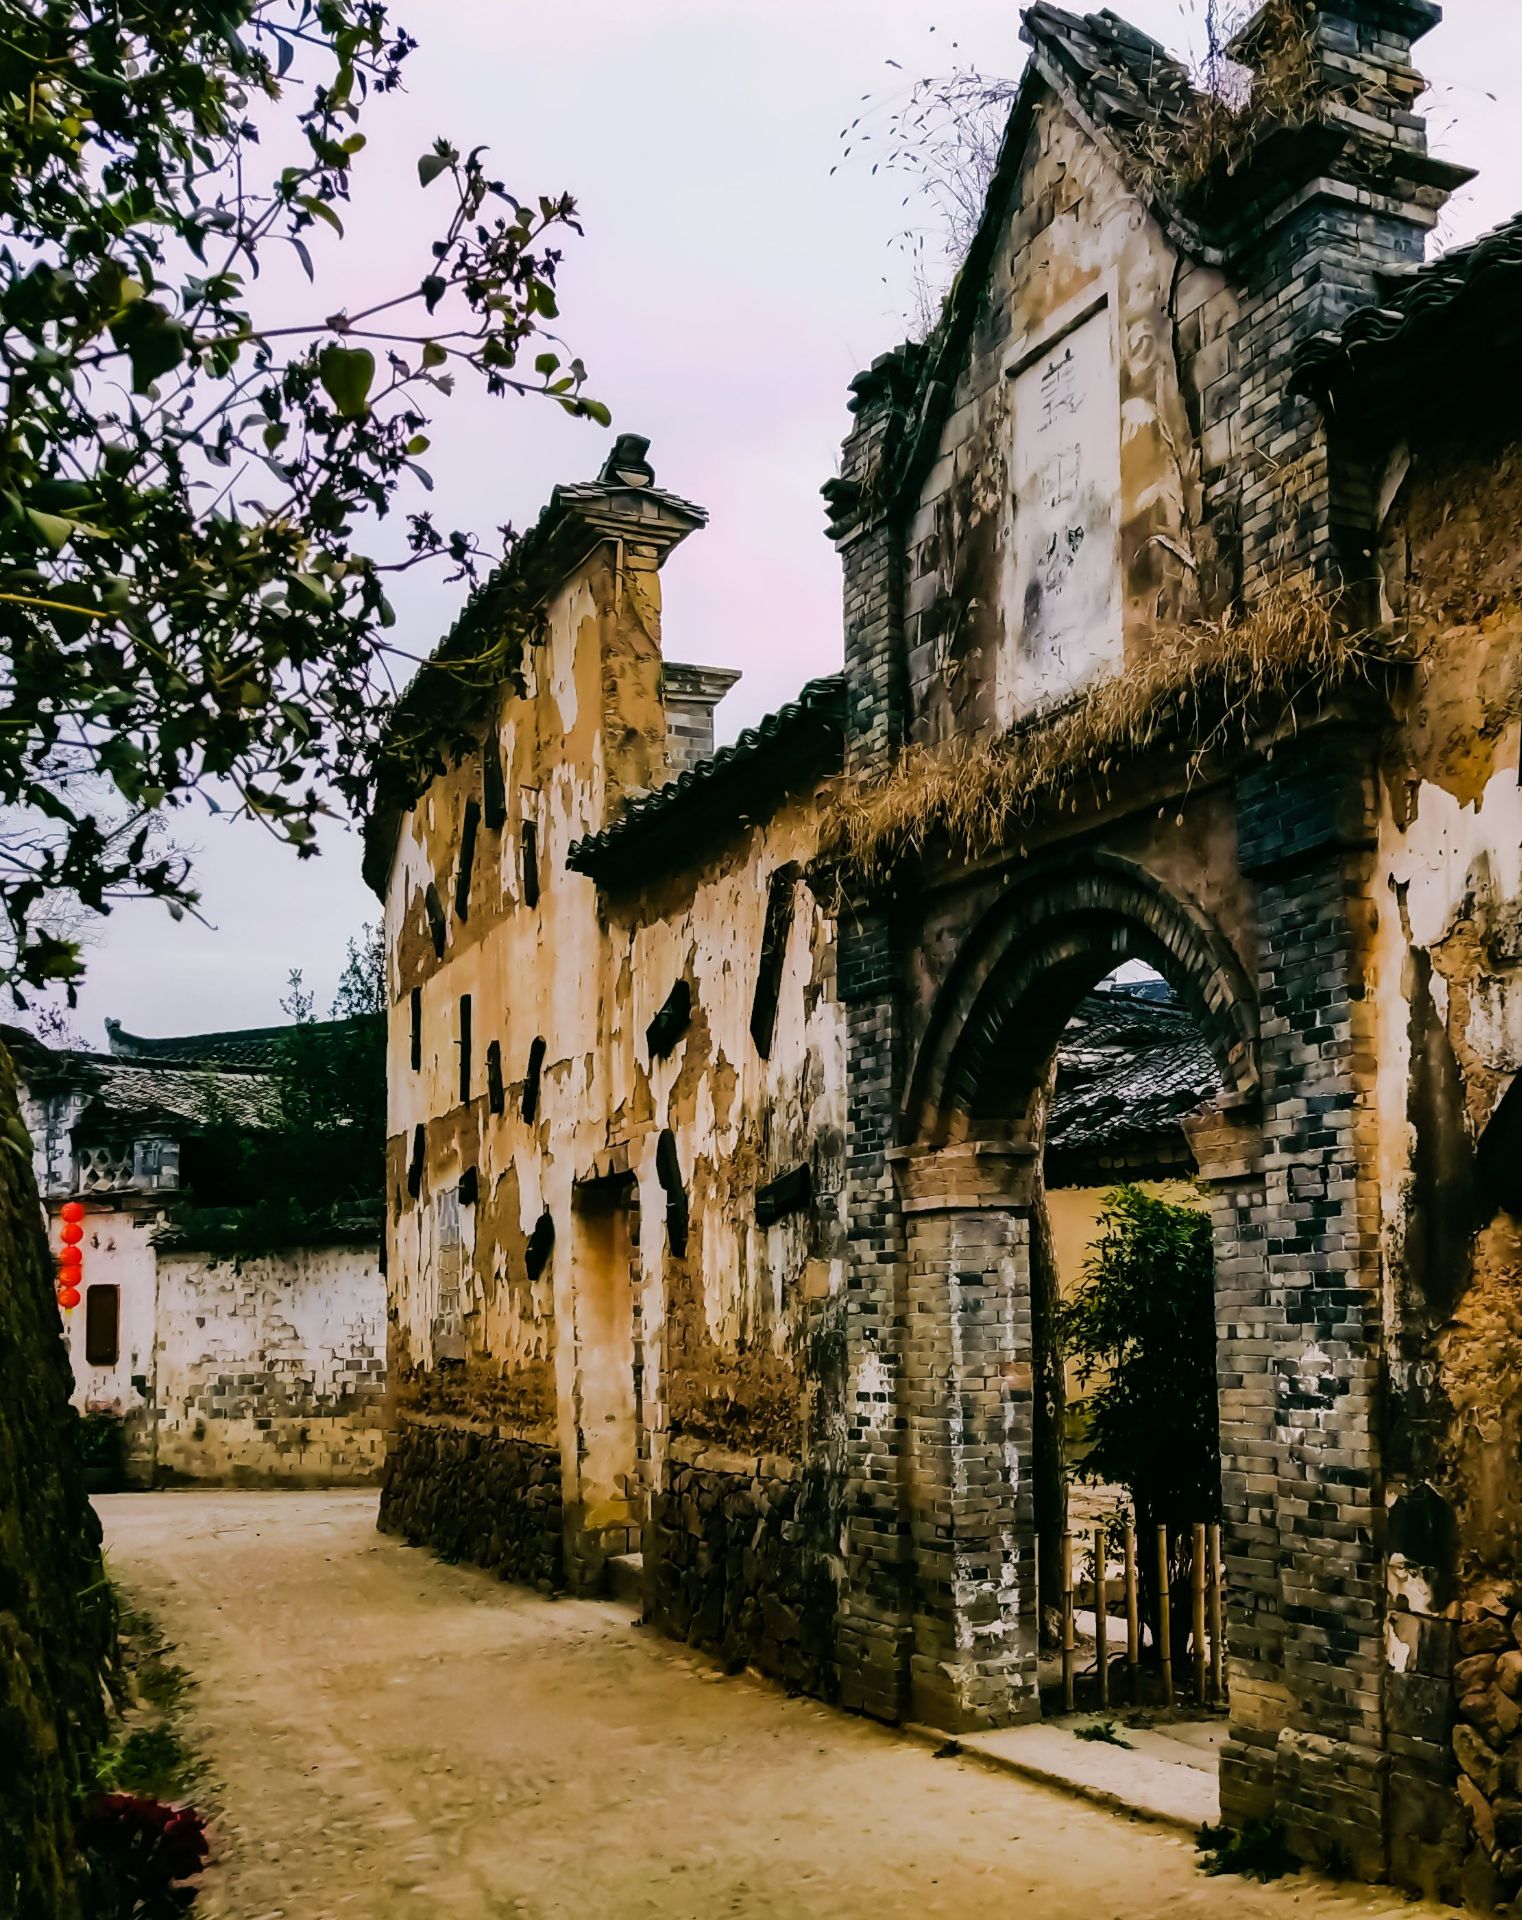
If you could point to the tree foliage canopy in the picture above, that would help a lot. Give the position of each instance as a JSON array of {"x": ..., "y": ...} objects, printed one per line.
[
  {"x": 183, "y": 604},
  {"x": 1143, "y": 1326}
]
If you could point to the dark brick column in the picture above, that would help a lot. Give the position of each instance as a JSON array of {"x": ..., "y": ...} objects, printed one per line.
[
  {"x": 968, "y": 1403},
  {"x": 1305, "y": 830},
  {"x": 1227, "y": 1143},
  {"x": 873, "y": 1624}
]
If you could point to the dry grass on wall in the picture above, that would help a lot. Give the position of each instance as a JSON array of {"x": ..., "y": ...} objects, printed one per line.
[
  {"x": 1180, "y": 159},
  {"x": 1203, "y": 687}
]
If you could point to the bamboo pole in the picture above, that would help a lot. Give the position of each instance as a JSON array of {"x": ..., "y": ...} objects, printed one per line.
[
  {"x": 1217, "y": 1637},
  {"x": 1101, "y": 1624},
  {"x": 1133, "y": 1617},
  {"x": 1067, "y": 1622},
  {"x": 1197, "y": 1609},
  {"x": 1164, "y": 1616}
]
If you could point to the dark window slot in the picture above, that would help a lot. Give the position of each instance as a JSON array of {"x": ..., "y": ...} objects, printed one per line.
[
  {"x": 433, "y": 906},
  {"x": 531, "y": 1080},
  {"x": 671, "y": 1022},
  {"x": 468, "y": 831},
  {"x": 417, "y": 1028},
  {"x": 536, "y": 1255},
  {"x": 779, "y": 919},
  {"x": 103, "y": 1314},
  {"x": 494, "y": 1092},
  {"x": 493, "y": 787},
  {"x": 464, "y": 1046},
  {"x": 668, "y": 1170},
  {"x": 530, "y": 864},
  {"x": 791, "y": 1192}
]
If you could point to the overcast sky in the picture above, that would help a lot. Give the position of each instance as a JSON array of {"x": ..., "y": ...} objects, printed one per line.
[{"x": 726, "y": 290}]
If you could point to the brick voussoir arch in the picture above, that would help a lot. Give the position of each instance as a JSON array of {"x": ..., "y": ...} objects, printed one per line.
[{"x": 1061, "y": 927}]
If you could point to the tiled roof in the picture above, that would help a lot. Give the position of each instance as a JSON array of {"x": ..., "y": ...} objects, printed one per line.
[
  {"x": 1130, "y": 1069},
  {"x": 244, "y": 1050},
  {"x": 1430, "y": 318},
  {"x": 723, "y": 791},
  {"x": 189, "y": 1082},
  {"x": 172, "y": 1096}
]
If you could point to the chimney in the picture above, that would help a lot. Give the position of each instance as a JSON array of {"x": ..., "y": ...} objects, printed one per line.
[
  {"x": 1356, "y": 194},
  {"x": 690, "y": 695}
]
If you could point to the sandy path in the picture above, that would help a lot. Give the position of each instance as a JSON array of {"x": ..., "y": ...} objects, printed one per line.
[{"x": 395, "y": 1739}]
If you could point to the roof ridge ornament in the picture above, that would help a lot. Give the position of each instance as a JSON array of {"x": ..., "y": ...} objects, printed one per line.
[{"x": 626, "y": 465}]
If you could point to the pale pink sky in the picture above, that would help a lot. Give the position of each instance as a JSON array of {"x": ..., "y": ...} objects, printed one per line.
[{"x": 726, "y": 291}]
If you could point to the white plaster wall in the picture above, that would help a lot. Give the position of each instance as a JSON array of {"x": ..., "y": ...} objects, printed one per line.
[{"x": 271, "y": 1369}]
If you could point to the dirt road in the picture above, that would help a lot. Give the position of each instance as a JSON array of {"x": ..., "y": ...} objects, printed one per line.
[{"x": 390, "y": 1738}]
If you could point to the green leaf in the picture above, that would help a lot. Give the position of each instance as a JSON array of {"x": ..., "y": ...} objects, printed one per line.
[
  {"x": 419, "y": 443},
  {"x": 57, "y": 532},
  {"x": 313, "y": 589},
  {"x": 598, "y": 411},
  {"x": 320, "y": 210},
  {"x": 546, "y": 363},
  {"x": 433, "y": 354},
  {"x": 431, "y": 166},
  {"x": 152, "y": 339},
  {"x": 346, "y": 374}
]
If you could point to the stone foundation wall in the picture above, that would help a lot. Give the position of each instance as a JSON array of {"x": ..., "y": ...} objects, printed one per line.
[
  {"x": 1487, "y": 1740},
  {"x": 476, "y": 1494},
  {"x": 728, "y": 1560}
]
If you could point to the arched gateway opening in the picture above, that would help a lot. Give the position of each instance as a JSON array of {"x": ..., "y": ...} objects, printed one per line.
[{"x": 969, "y": 1178}]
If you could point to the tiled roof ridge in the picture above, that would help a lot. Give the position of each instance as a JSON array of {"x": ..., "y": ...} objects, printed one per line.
[
  {"x": 820, "y": 701},
  {"x": 227, "y": 1050}
]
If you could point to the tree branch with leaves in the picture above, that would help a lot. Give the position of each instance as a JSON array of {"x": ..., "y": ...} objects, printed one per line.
[{"x": 188, "y": 602}]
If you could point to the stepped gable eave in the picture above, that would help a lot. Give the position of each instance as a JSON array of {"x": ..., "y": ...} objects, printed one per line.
[
  {"x": 1442, "y": 325},
  {"x": 579, "y": 516}
]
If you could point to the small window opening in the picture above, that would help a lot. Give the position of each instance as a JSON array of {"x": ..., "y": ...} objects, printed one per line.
[
  {"x": 531, "y": 1079},
  {"x": 493, "y": 786},
  {"x": 530, "y": 864},
  {"x": 464, "y": 1046},
  {"x": 495, "y": 1094},
  {"x": 433, "y": 906},
  {"x": 417, "y": 1028},
  {"x": 103, "y": 1312},
  {"x": 468, "y": 831}
]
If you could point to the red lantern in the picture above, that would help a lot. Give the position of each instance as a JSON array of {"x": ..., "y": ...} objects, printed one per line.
[
  {"x": 68, "y": 1297},
  {"x": 72, "y": 1210},
  {"x": 72, "y": 1233},
  {"x": 71, "y": 1257}
]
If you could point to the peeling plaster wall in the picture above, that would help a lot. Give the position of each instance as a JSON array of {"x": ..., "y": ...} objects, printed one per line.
[
  {"x": 731, "y": 1317},
  {"x": 621, "y": 1361},
  {"x": 1448, "y": 966},
  {"x": 473, "y": 1305},
  {"x": 270, "y": 1369}
]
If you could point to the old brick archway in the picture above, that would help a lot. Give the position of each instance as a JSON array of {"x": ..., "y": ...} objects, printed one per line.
[{"x": 966, "y": 1178}]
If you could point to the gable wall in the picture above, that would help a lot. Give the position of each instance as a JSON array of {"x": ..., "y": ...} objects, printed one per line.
[{"x": 1074, "y": 235}]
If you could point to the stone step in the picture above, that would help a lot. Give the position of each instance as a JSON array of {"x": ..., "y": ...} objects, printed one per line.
[{"x": 626, "y": 1578}]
